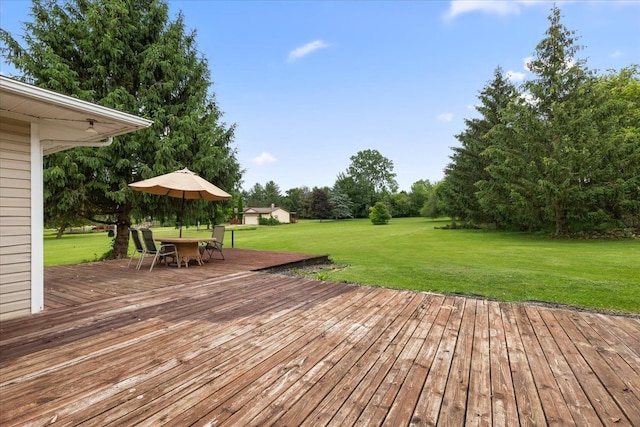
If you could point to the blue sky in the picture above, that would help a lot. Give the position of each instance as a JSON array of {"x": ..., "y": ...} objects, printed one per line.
[{"x": 309, "y": 84}]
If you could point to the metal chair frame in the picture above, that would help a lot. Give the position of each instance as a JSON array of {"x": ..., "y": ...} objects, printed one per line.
[
  {"x": 218, "y": 234},
  {"x": 139, "y": 248},
  {"x": 162, "y": 252}
]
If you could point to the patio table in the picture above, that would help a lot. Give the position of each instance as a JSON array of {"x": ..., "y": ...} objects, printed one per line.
[{"x": 187, "y": 247}]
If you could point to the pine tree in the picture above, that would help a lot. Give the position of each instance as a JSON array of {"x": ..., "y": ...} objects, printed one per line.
[
  {"x": 559, "y": 125},
  {"x": 340, "y": 204},
  {"x": 272, "y": 194},
  {"x": 468, "y": 164}
]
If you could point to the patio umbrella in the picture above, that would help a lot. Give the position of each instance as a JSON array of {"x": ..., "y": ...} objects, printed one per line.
[{"x": 182, "y": 184}]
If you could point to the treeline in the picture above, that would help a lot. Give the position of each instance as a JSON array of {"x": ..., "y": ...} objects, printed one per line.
[
  {"x": 330, "y": 202},
  {"x": 559, "y": 152},
  {"x": 369, "y": 179}
]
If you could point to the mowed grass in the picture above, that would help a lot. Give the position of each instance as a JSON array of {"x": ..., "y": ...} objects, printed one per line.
[{"x": 410, "y": 253}]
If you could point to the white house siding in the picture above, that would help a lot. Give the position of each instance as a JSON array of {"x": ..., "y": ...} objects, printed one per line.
[
  {"x": 15, "y": 218},
  {"x": 282, "y": 216}
]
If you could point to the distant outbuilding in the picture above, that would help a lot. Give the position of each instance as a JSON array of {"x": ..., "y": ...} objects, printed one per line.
[{"x": 251, "y": 216}]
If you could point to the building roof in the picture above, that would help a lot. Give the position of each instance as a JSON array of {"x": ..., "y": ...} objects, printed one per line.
[
  {"x": 266, "y": 210},
  {"x": 64, "y": 120}
]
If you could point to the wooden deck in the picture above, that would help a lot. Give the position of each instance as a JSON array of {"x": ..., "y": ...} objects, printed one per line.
[
  {"x": 237, "y": 347},
  {"x": 76, "y": 284}
]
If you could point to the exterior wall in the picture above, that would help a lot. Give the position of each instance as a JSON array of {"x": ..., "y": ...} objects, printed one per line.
[
  {"x": 281, "y": 215},
  {"x": 15, "y": 218}
]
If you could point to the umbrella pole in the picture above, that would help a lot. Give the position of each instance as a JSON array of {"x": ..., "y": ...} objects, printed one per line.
[{"x": 181, "y": 214}]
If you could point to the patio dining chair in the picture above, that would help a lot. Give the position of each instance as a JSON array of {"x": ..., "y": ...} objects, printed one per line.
[
  {"x": 139, "y": 248},
  {"x": 211, "y": 247},
  {"x": 163, "y": 252}
]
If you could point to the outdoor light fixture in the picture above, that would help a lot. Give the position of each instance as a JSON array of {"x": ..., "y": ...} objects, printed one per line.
[{"x": 91, "y": 130}]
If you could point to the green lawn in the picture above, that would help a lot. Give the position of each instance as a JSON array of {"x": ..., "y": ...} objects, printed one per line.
[{"x": 411, "y": 254}]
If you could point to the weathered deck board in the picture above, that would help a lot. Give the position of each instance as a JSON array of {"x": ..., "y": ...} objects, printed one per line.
[
  {"x": 553, "y": 404},
  {"x": 504, "y": 410},
  {"x": 530, "y": 409},
  {"x": 479, "y": 395},
  {"x": 225, "y": 346},
  {"x": 428, "y": 408},
  {"x": 453, "y": 411}
]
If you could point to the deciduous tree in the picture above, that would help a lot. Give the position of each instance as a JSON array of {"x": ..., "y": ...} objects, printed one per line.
[
  {"x": 320, "y": 206},
  {"x": 368, "y": 179}
]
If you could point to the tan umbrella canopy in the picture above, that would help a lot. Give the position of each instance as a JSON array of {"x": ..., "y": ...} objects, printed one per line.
[{"x": 182, "y": 184}]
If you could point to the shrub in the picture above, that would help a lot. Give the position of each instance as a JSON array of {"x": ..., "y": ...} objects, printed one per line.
[
  {"x": 268, "y": 221},
  {"x": 379, "y": 214}
]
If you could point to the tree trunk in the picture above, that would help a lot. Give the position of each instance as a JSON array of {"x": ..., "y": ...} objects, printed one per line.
[
  {"x": 121, "y": 242},
  {"x": 561, "y": 219},
  {"x": 61, "y": 231}
]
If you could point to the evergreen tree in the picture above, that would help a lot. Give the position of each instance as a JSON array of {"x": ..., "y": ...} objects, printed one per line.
[
  {"x": 340, "y": 204},
  {"x": 618, "y": 173},
  {"x": 468, "y": 165},
  {"x": 564, "y": 154},
  {"x": 379, "y": 214},
  {"x": 127, "y": 55},
  {"x": 559, "y": 121},
  {"x": 272, "y": 194},
  {"x": 256, "y": 196},
  {"x": 509, "y": 196}
]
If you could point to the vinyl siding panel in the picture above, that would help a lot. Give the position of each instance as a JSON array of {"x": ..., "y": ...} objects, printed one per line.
[
  {"x": 11, "y": 282},
  {"x": 14, "y": 268},
  {"x": 15, "y": 245},
  {"x": 15, "y": 219}
]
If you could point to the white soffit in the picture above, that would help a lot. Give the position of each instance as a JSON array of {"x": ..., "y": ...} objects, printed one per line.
[{"x": 63, "y": 120}]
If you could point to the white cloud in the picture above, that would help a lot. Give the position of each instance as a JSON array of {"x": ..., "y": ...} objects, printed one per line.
[
  {"x": 263, "y": 158},
  {"x": 305, "y": 50},
  {"x": 492, "y": 7},
  {"x": 617, "y": 54},
  {"x": 515, "y": 76},
  {"x": 445, "y": 117}
]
